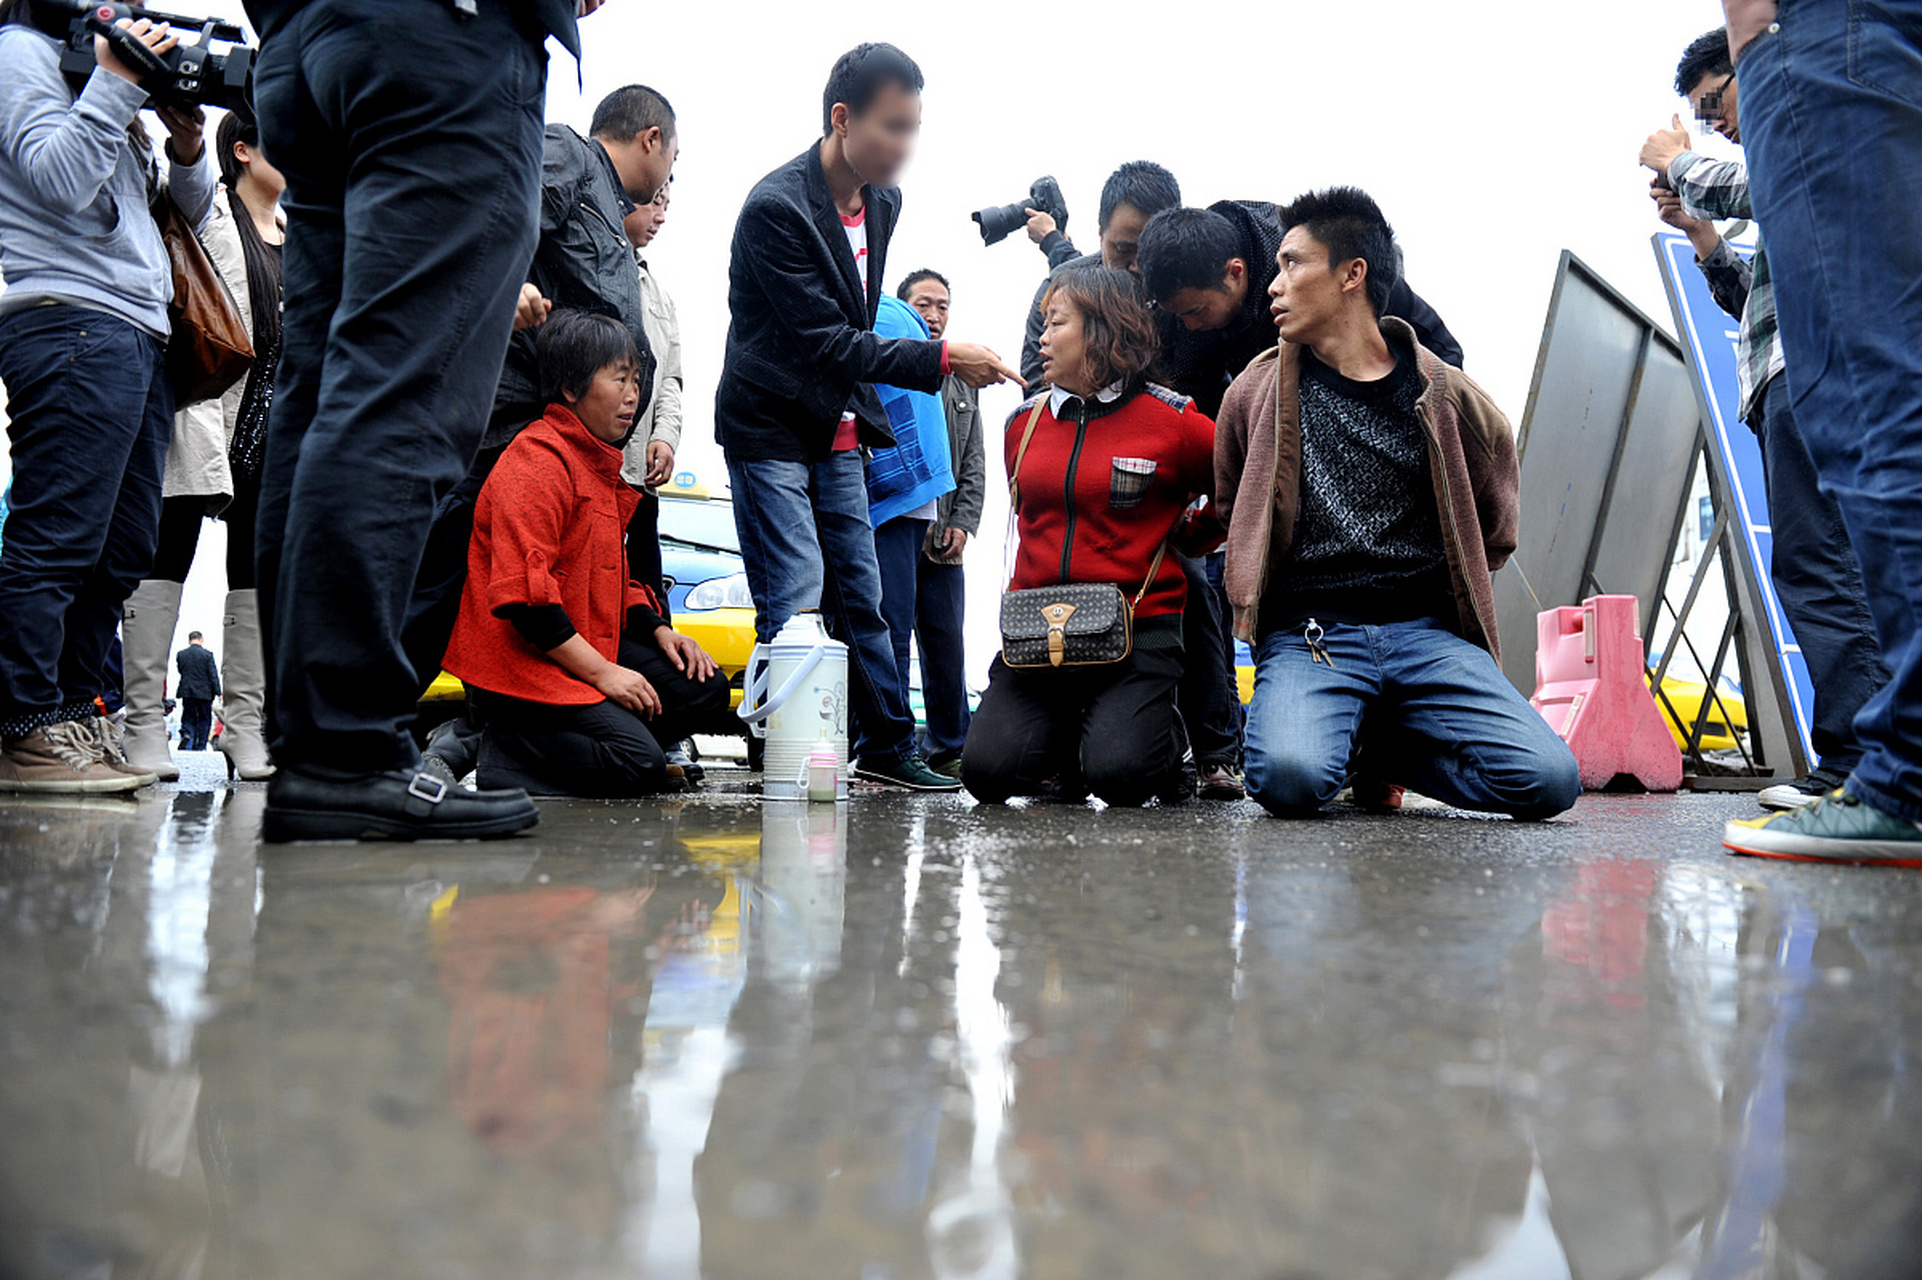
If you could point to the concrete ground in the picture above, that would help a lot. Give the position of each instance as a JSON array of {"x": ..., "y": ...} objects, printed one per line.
[{"x": 912, "y": 1038}]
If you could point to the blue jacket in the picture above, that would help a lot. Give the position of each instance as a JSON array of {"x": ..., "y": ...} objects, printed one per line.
[
  {"x": 916, "y": 470},
  {"x": 74, "y": 225}
]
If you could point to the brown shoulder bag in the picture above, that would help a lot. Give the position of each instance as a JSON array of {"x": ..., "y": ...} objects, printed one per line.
[{"x": 209, "y": 350}]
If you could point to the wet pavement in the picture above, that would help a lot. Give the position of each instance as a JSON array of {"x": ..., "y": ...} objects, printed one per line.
[{"x": 909, "y": 1038}]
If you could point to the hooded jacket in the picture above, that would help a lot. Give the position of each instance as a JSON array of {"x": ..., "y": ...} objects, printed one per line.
[
  {"x": 801, "y": 347},
  {"x": 1471, "y": 450}
]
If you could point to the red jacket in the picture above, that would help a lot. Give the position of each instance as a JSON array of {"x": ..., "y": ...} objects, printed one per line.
[
  {"x": 1088, "y": 529},
  {"x": 550, "y": 528}
]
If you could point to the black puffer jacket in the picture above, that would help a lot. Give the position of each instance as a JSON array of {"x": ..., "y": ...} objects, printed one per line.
[
  {"x": 584, "y": 261},
  {"x": 1202, "y": 365}
]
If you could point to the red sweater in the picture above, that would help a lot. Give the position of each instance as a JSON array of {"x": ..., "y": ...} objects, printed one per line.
[
  {"x": 550, "y": 528},
  {"x": 1076, "y": 522}
]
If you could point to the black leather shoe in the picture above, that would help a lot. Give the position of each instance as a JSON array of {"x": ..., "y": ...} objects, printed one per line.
[{"x": 312, "y": 803}]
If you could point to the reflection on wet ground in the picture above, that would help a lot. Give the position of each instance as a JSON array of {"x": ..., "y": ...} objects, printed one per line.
[{"x": 909, "y": 1039}]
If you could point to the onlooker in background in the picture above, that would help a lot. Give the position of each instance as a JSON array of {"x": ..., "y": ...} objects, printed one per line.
[
  {"x": 588, "y": 186},
  {"x": 213, "y": 469},
  {"x": 199, "y": 686},
  {"x": 1101, "y": 468},
  {"x": 906, "y": 482},
  {"x": 83, "y": 336},
  {"x": 410, "y": 226},
  {"x": 1832, "y": 113},
  {"x": 574, "y": 695},
  {"x": 1371, "y": 491},
  {"x": 1132, "y": 195},
  {"x": 1817, "y": 576},
  {"x": 940, "y": 609},
  {"x": 657, "y": 431},
  {"x": 796, "y": 400}
]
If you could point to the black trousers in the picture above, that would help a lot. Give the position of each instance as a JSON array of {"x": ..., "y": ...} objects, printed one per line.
[
  {"x": 1818, "y": 579},
  {"x": 601, "y": 750},
  {"x": 196, "y": 723},
  {"x": 1210, "y": 706},
  {"x": 411, "y": 206},
  {"x": 181, "y": 520},
  {"x": 1117, "y": 721}
]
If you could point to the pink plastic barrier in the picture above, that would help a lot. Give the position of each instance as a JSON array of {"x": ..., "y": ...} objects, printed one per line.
[{"x": 1592, "y": 688}]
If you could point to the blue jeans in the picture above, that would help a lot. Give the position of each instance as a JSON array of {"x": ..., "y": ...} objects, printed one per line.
[
  {"x": 897, "y": 545},
  {"x": 1441, "y": 719},
  {"x": 1832, "y": 123},
  {"x": 806, "y": 544},
  {"x": 91, "y": 414},
  {"x": 411, "y": 221}
]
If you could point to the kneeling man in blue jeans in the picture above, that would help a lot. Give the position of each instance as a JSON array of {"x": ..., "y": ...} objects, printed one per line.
[{"x": 1370, "y": 490}]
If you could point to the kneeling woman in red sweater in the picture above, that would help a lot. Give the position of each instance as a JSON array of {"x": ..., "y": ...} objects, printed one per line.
[
  {"x": 574, "y": 676},
  {"x": 1111, "y": 465}
]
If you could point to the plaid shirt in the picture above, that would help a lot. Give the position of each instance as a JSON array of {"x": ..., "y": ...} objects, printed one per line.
[{"x": 1718, "y": 189}]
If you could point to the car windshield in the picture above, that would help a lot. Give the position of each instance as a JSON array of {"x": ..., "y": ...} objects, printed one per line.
[{"x": 707, "y": 524}]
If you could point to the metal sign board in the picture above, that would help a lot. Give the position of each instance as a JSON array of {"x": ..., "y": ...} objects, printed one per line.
[
  {"x": 1610, "y": 444},
  {"x": 1708, "y": 340}
]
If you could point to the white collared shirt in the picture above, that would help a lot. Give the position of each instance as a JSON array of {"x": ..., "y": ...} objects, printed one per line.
[{"x": 1058, "y": 399}]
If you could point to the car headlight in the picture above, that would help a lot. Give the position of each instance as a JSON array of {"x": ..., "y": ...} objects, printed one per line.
[{"x": 721, "y": 593}]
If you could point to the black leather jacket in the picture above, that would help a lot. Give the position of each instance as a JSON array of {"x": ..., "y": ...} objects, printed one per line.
[{"x": 584, "y": 261}]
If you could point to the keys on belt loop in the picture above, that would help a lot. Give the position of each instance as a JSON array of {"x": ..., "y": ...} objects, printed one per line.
[{"x": 1313, "y": 634}]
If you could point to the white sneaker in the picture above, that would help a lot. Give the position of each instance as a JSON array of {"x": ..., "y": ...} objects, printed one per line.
[{"x": 1787, "y": 796}]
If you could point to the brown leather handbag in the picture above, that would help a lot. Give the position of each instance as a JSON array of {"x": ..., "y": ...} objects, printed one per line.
[
  {"x": 1070, "y": 624},
  {"x": 209, "y": 350}
]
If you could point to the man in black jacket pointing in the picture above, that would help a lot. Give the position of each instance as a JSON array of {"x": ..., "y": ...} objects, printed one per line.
[{"x": 796, "y": 405}]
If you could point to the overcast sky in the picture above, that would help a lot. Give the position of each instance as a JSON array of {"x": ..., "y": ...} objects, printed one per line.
[{"x": 1494, "y": 134}]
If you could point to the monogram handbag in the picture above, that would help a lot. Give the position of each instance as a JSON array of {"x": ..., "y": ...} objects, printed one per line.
[
  {"x": 209, "y": 350},
  {"x": 1071, "y": 624}
]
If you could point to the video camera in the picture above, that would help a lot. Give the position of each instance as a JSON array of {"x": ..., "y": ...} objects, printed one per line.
[
  {"x": 191, "y": 74},
  {"x": 1002, "y": 221}
]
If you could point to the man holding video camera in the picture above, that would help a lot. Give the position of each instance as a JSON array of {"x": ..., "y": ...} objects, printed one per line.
[
  {"x": 410, "y": 135},
  {"x": 83, "y": 338}
]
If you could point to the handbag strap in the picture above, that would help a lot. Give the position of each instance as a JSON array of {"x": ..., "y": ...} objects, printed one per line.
[{"x": 1027, "y": 435}]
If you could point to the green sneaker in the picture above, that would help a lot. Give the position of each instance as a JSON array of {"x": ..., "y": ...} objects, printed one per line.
[
  {"x": 946, "y": 763},
  {"x": 911, "y": 772},
  {"x": 1840, "y": 827}
]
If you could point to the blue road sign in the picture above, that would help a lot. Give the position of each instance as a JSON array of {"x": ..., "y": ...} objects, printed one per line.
[{"x": 1708, "y": 336}]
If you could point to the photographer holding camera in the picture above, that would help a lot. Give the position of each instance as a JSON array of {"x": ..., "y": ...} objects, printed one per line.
[{"x": 83, "y": 335}]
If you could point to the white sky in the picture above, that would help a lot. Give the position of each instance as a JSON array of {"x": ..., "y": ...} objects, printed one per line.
[{"x": 1494, "y": 134}]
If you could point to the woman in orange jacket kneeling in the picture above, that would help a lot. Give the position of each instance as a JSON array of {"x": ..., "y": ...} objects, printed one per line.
[{"x": 575, "y": 677}]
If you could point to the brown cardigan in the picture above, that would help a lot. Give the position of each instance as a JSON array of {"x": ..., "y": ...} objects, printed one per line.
[{"x": 1470, "y": 446}]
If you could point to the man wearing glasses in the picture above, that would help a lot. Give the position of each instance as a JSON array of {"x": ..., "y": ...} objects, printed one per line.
[{"x": 1816, "y": 572}]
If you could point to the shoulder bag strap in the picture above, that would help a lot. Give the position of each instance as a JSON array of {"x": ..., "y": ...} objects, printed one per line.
[{"x": 1014, "y": 474}]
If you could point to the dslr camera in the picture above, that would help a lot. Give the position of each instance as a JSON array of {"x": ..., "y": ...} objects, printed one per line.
[
  {"x": 1002, "y": 221},
  {"x": 214, "y": 69}
]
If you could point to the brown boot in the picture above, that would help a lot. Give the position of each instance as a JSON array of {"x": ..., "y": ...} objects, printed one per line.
[
  {"x": 113, "y": 754},
  {"x": 60, "y": 758}
]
